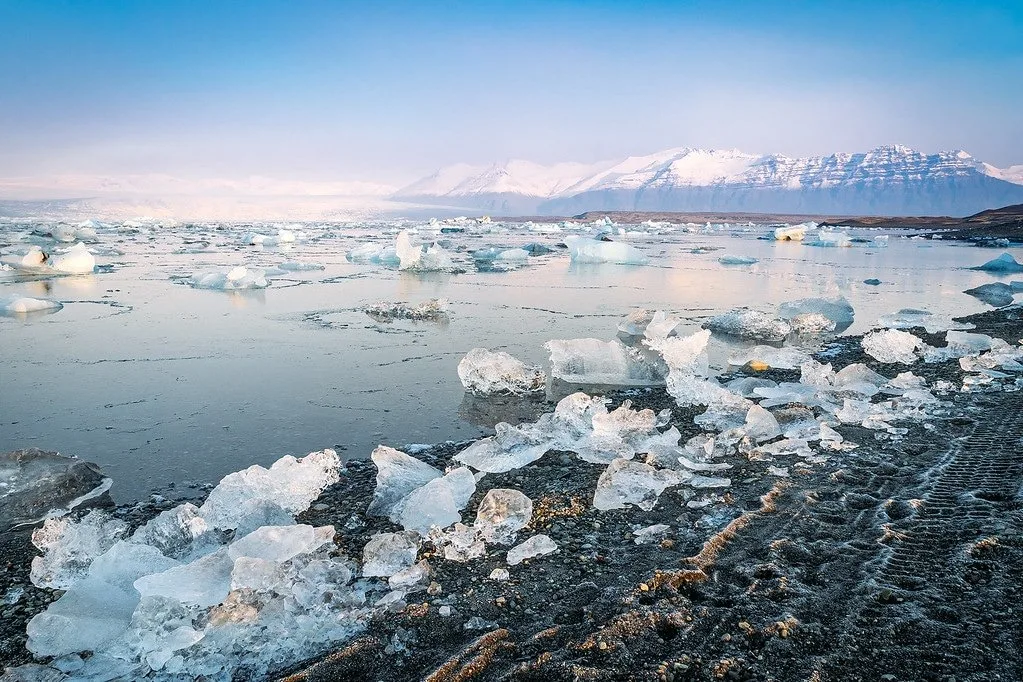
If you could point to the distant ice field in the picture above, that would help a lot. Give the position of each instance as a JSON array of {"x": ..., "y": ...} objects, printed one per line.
[{"x": 157, "y": 373}]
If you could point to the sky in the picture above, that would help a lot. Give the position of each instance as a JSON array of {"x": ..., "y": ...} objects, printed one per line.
[{"x": 389, "y": 91}]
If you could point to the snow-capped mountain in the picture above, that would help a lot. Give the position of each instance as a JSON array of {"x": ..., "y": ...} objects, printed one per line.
[{"x": 890, "y": 180}]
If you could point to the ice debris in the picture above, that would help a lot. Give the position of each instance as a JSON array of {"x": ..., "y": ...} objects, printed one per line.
[
  {"x": 388, "y": 553},
  {"x": 502, "y": 514},
  {"x": 486, "y": 372},
  {"x": 749, "y": 324},
  {"x": 415, "y": 495},
  {"x": 230, "y": 280},
  {"x": 75, "y": 261},
  {"x": 297, "y": 266},
  {"x": 373, "y": 252},
  {"x": 596, "y": 362},
  {"x": 729, "y": 259},
  {"x": 626, "y": 482},
  {"x": 650, "y": 534},
  {"x": 792, "y": 232},
  {"x": 35, "y": 485},
  {"x": 538, "y": 545},
  {"x": 433, "y": 310},
  {"x": 586, "y": 250},
  {"x": 785, "y": 357},
  {"x": 832, "y": 238},
  {"x": 893, "y": 345},
  {"x": 836, "y": 309},
  {"x": 996, "y": 294}
]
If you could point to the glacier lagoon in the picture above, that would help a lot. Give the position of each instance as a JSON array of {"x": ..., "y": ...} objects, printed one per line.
[{"x": 164, "y": 383}]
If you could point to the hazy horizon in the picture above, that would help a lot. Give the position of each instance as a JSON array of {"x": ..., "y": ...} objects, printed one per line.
[{"x": 341, "y": 92}]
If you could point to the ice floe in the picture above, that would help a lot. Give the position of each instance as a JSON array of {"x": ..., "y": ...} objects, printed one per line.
[
  {"x": 486, "y": 372},
  {"x": 13, "y": 304},
  {"x": 420, "y": 257},
  {"x": 1005, "y": 263},
  {"x": 737, "y": 260},
  {"x": 586, "y": 250},
  {"x": 234, "y": 279}
]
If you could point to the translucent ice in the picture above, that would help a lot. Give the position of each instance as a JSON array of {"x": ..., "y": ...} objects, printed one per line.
[
  {"x": 538, "y": 545},
  {"x": 586, "y": 250},
  {"x": 387, "y": 553},
  {"x": 996, "y": 294},
  {"x": 375, "y": 253},
  {"x": 682, "y": 354},
  {"x": 433, "y": 310},
  {"x": 70, "y": 547},
  {"x": 836, "y": 309},
  {"x": 650, "y": 534},
  {"x": 437, "y": 503},
  {"x": 791, "y": 233},
  {"x": 892, "y": 345},
  {"x": 420, "y": 257},
  {"x": 780, "y": 358},
  {"x": 511, "y": 448},
  {"x": 204, "y": 582},
  {"x": 459, "y": 543},
  {"x": 398, "y": 475},
  {"x": 812, "y": 324},
  {"x": 230, "y": 280},
  {"x": 502, "y": 513},
  {"x": 35, "y": 485},
  {"x": 761, "y": 425},
  {"x": 296, "y": 266},
  {"x": 749, "y": 324},
  {"x": 591, "y": 361},
  {"x": 75, "y": 261},
  {"x": 832, "y": 238},
  {"x": 290, "y": 484},
  {"x": 485, "y": 372},
  {"x": 626, "y": 482},
  {"x": 635, "y": 324}
]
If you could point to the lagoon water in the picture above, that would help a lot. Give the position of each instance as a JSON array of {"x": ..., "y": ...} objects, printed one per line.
[{"x": 163, "y": 384}]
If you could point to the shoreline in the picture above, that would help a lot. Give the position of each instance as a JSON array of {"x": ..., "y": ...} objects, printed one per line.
[{"x": 610, "y": 607}]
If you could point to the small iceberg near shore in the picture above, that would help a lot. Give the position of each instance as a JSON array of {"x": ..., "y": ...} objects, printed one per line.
[
  {"x": 1005, "y": 263},
  {"x": 586, "y": 250},
  {"x": 24, "y": 305},
  {"x": 235, "y": 279}
]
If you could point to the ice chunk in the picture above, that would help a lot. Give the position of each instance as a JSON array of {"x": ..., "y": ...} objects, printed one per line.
[
  {"x": 538, "y": 545},
  {"x": 745, "y": 386},
  {"x": 661, "y": 326},
  {"x": 202, "y": 583},
  {"x": 635, "y": 324},
  {"x": 21, "y": 305},
  {"x": 749, "y": 324},
  {"x": 174, "y": 532},
  {"x": 460, "y": 543},
  {"x": 31, "y": 259},
  {"x": 586, "y": 250},
  {"x": 388, "y": 553},
  {"x": 682, "y": 354},
  {"x": 235, "y": 279},
  {"x": 794, "y": 233},
  {"x": 832, "y": 238},
  {"x": 836, "y": 309},
  {"x": 729, "y": 259},
  {"x": 398, "y": 475},
  {"x": 780, "y": 358},
  {"x": 503, "y": 513},
  {"x": 761, "y": 425},
  {"x": 437, "y": 503},
  {"x": 626, "y": 482},
  {"x": 35, "y": 485},
  {"x": 98, "y": 608},
  {"x": 385, "y": 254},
  {"x": 419, "y": 257},
  {"x": 434, "y": 310},
  {"x": 591, "y": 361},
  {"x": 996, "y": 294},
  {"x": 70, "y": 547},
  {"x": 892, "y": 345},
  {"x": 812, "y": 324},
  {"x": 1004, "y": 263},
  {"x": 75, "y": 261},
  {"x": 486, "y": 372},
  {"x": 411, "y": 578},
  {"x": 511, "y": 448},
  {"x": 289, "y": 484},
  {"x": 500, "y": 574},
  {"x": 278, "y": 543},
  {"x": 650, "y": 534}
]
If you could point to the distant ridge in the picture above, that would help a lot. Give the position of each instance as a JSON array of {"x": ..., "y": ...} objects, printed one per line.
[{"x": 886, "y": 181}]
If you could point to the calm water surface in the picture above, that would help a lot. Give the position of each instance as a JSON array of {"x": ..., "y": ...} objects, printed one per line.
[{"x": 160, "y": 383}]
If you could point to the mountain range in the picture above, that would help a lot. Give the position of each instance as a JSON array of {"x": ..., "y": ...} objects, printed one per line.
[{"x": 888, "y": 180}]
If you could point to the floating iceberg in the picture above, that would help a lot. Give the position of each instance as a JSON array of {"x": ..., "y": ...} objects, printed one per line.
[
  {"x": 795, "y": 233},
  {"x": 419, "y": 257},
  {"x": 500, "y": 259},
  {"x": 235, "y": 279},
  {"x": 434, "y": 310},
  {"x": 75, "y": 261},
  {"x": 1005, "y": 263},
  {"x": 22, "y": 305},
  {"x": 737, "y": 260},
  {"x": 893, "y": 345},
  {"x": 296, "y": 266},
  {"x": 749, "y": 324},
  {"x": 486, "y": 372},
  {"x": 586, "y": 250},
  {"x": 626, "y": 482},
  {"x": 538, "y": 545},
  {"x": 836, "y": 309},
  {"x": 373, "y": 252},
  {"x": 592, "y": 361},
  {"x": 812, "y": 324},
  {"x": 832, "y": 238}
]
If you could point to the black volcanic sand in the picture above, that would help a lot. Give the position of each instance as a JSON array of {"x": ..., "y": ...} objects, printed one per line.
[{"x": 900, "y": 560}]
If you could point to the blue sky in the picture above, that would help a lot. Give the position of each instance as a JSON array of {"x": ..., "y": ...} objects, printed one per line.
[{"x": 387, "y": 91}]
